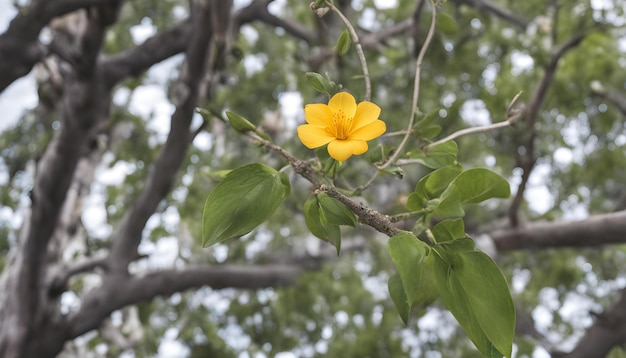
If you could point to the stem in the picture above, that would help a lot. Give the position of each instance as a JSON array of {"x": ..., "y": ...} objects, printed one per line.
[
  {"x": 358, "y": 47},
  {"x": 512, "y": 118},
  {"x": 405, "y": 216},
  {"x": 416, "y": 87}
]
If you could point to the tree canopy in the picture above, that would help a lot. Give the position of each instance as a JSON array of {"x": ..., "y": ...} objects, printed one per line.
[{"x": 489, "y": 219}]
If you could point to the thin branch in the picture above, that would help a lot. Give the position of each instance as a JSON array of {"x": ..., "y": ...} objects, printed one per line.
[
  {"x": 502, "y": 13},
  {"x": 416, "y": 88},
  {"x": 527, "y": 161},
  {"x": 365, "y": 214},
  {"x": 359, "y": 49},
  {"x": 512, "y": 118}
]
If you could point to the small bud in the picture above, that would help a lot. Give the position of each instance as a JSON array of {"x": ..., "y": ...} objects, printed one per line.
[{"x": 319, "y": 11}]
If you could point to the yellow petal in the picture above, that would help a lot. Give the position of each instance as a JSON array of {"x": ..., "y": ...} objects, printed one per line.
[
  {"x": 343, "y": 101},
  {"x": 369, "y": 131},
  {"x": 312, "y": 136},
  {"x": 343, "y": 149},
  {"x": 318, "y": 114},
  {"x": 366, "y": 113}
]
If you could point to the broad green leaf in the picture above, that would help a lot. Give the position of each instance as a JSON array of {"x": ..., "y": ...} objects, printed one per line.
[
  {"x": 408, "y": 253},
  {"x": 446, "y": 24},
  {"x": 343, "y": 43},
  {"x": 431, "y": 186},
  {"x": 479, "y": 184},
  {"x": 239, "y": 123},
  {"x": 449, "y": 205},
  {"x": 398, "y": 296},
  {"x": 428, "y": 132},
  {"x": 475, "y": 291},
  {"x": 448, "y": 230},
  {"x": 243, "y": 200},
  {"x": 334, "y": 212},
  {"x": 327, "y": 232},
  {"x": 437, "y": 156}
]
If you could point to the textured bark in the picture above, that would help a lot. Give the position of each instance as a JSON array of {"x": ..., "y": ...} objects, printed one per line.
[{"x": 595, "y": 231}]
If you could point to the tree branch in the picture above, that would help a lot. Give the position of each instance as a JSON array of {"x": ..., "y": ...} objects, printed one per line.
[
  {"x": 527, "y": 160},
  {"x": 504, "y": 14},
  {"x": 608, "y": 331},
  {"x": 257, "y": 11},
  {"x": 616, "y": 98},
  {"x": 172, "y": 155},
  {"x": 121, "y": 291},
  {"x": 157, "y": 48},
  {"x": 595, "y": 231},
  {"x": 20, "y": 49}
]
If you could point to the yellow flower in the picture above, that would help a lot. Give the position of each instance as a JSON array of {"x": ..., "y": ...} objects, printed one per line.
[{"x": 342, "y": 124}]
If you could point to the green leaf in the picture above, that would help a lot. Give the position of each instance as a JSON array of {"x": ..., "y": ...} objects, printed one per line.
[
  {"x": 334, "y": 212},
  {"x": 326, "y": 232},
  {"x": 321, "y": 84},
  {"x": 448, "y": 230},
  {"x": 479, "y": 184},
  {"x": 476, "y": 292},
  {"x": 449, "y": 205},
  {"x": 343, "y": 43},
  {"x": 408, "y": 253},
  {"x": 431, "y": 186},
  {"x": 446, "y": 24},
  {"x": 438, "y": 156},
  {"x": 239, "y": 123},
  {"x": 243, "y": 200},
  {"x": 398, "y": 296}
]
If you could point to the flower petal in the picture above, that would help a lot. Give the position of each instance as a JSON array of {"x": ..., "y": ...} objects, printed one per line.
[
  {"x": 369, "y": 131},
  {"x": 366, "y": 113},
  {"x": 318, "y": 114},
  {"x": 343, "y": 149},
  {"x": 313, "y": 136},
  {"x": 343, "y": 101}
]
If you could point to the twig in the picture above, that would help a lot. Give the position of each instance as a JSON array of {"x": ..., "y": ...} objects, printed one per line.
[
  {"x": 416, "y": 87},
  {"x": 365, "y": 214},
  {"x": 358, "y": 47},
  {"x": 511, "y": 118}
]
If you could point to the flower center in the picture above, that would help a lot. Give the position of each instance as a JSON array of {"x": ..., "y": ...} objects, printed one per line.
[{"x": 342, "y": 125}]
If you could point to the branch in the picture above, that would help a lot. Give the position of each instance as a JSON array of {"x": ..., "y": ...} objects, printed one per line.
[
  {"x": 157, "y": 48},
  {"x": 504, "y": 14},
  {"x": 511, "y": 119},
  {"x": 257, "y": 11},
  {"x": 607, "y": 332},
  {"x": 20, "y": 49},
  {"x": 595, "y": 231},
  {"x": 416, "y": 88},
  {"x": 527, "y": 161},
  {"x": 611, "y": 95},
  {"x": 167, "y": 165},
  {"x": 120, "y": 291}
]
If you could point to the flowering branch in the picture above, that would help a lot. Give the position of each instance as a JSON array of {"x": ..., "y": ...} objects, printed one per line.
[
  {"x": 366, "y": 215},
  {"x": 359, "y": 49},
  {"x": 416, "y": 88}
]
